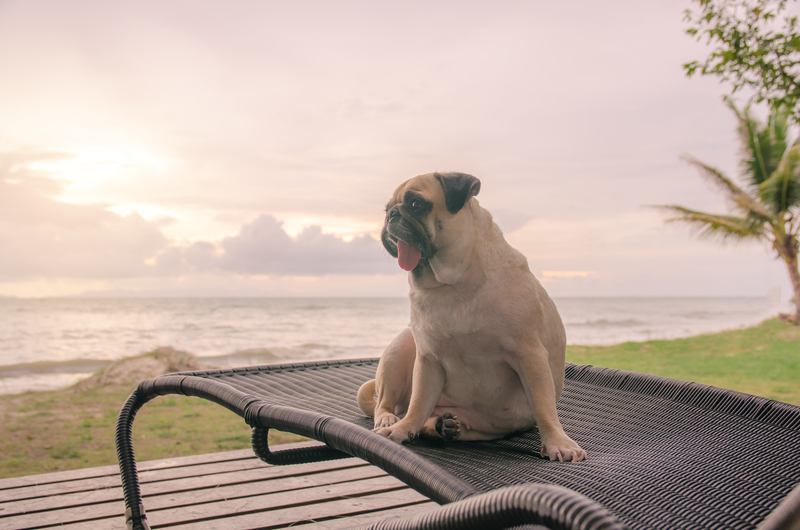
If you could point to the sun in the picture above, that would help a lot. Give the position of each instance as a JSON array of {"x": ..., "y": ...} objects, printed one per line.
[
  {"x": 90, "y": 173},
  {"x": 107, "y": 174}
]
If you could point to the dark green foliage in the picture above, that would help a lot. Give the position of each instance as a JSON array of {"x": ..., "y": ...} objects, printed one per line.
[
  {"x": 757, "y": 47},
  {"x": 763, "y": 147},
  {"x": 782, "y": 189}
]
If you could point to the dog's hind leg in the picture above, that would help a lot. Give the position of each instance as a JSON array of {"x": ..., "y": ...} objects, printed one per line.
[
  {"x": 449, "y": 427},
  {"x": 445, "y": 427}
]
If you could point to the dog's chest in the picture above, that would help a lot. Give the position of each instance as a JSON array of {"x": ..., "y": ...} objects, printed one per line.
[
  {"x": 457, "y": 327},
  {"x": 446, "y": 314}
]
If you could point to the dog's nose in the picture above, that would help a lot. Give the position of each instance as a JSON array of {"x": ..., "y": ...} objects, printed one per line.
[{"x": 392, "y": 214}]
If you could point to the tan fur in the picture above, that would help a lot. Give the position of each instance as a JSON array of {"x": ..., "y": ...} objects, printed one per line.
[
  {"x": 366, "y": 398},
  {"x": 486, "y": 343}
]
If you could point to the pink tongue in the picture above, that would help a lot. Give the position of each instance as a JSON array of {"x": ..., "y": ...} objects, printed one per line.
[{"x": 407, "y": 256}]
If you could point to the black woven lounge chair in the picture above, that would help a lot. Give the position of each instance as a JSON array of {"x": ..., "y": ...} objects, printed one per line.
[{"x": 662, "y": 453}]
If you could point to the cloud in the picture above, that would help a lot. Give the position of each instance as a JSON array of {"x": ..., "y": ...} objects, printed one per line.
[
  {"x": 26, "y": 196},
  {"x": 113, "y": 248},
  {"x": 42, "y": 237},
  {"x": 263, "y": 247}
]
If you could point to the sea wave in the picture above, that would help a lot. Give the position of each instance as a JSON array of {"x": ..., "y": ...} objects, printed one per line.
[
  {"x": 40, "y": 382},
  {"x": 48, "y": 375},
  {"x": 605, "y": 322},
  {"x": 249, "y": 356},
  {"x": 259, "y": 356},
  {"x": 241, "y": 357},
  {"x": 73, "y": 366},
  {"x": 314, "y": 346}
]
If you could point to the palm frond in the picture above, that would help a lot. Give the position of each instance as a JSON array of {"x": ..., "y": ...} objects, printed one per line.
[
  {"x": 781, "y": 192},
  {"x": 739, "y": 199},
  {"x": 721, "y": 228},
  {"x": 779, "y": 126},
  {"x": 763, "y": 146}
]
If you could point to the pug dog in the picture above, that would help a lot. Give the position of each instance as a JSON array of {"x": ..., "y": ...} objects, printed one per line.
[{"x": 484, "y": 354}]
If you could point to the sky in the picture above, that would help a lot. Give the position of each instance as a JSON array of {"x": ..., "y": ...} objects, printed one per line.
[{"x": 184, "y": 148}]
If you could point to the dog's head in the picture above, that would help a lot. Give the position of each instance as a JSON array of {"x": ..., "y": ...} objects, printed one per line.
[{"x": 423, "y": 215}]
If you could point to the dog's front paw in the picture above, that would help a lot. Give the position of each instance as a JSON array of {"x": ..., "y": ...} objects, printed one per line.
[
  {"x": 448, "y": 427},
  {"x": 387, "y": 420},
  {"x": 563, "y": 449},
  {"x": 397, "y": 433}
]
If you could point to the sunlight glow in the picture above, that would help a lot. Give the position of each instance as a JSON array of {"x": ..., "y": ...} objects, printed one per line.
[{"x": 86, "y": 169}]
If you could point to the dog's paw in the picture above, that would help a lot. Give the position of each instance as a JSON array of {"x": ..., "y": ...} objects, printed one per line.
[
  {"x": 386, "y": 421},
  {"x": 563, "y": 449},
  {"x": 448, "y": 427},
  {"x": 396, "y": 433}
]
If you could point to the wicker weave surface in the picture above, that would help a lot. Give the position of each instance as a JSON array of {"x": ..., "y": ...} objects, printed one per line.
[{"x": 662, "y": 453}]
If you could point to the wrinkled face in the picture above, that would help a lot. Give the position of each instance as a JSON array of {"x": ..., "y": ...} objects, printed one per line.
[
  {"x": 419, "y": 210},
  {"x": 408, "y": 231}
]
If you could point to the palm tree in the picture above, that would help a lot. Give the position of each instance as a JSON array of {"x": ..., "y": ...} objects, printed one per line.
[{"x": 767, "y": 207}]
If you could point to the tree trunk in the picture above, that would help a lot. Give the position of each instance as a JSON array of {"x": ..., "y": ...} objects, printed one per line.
[{"x": 794, "y": 275}]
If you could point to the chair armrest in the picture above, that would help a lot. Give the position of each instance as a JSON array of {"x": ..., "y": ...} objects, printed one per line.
[
  {"x": 527, "y": 504},
  {"x": 786, "y": 515}
]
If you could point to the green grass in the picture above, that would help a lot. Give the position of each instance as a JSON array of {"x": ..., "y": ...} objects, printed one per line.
[
  {"x": 763, "y": 360},
  {"x": 74, "y": 428},
  {"x": 69, "y": 429}
]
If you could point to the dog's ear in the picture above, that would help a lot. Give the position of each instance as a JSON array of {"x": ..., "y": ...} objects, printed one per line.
[{"x": 458, "y": 189}]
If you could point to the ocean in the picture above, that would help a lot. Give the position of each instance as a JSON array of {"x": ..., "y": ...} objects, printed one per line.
[{"x": 55, "y": 342}]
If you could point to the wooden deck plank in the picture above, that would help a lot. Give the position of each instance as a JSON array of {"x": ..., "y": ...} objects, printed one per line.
[
  {"x": 259, "y": 472},
  {"x": 334, "y": 510},
  {"x": 285, "y": 499},
  {"x": 289, "y": 517},
  {"x": 145, "y": 477},
  {"x": 90, "y": 484},
  {"x": 191, "y": 497},
  {"x": 77, "y": 474},
  {"x": 220, "y": 490}
]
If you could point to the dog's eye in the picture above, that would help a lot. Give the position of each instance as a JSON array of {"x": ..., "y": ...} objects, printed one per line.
[{"x": 416, "y": 206}]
